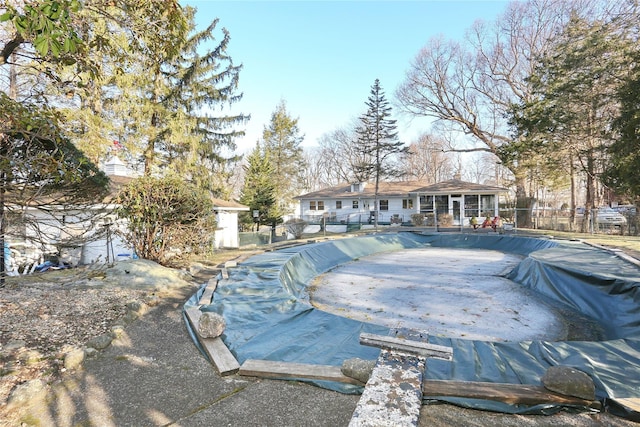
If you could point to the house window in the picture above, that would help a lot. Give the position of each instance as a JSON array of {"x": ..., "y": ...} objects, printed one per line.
[
  {"x": 338, "y": 204},
  {"x": 471, "y": 207},
  {"x": 354, "y": 205},
  {"x": 487, "y": 204},
  {"x": 384, "y": 205},
  {"x": 407, "y": 203},
  {"x": 316, "y": 205}
]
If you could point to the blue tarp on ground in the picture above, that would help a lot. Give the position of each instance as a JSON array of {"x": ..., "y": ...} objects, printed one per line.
[{"x": 266, "y": 307}]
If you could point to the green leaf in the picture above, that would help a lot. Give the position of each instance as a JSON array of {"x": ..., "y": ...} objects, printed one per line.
[
  {"x": 6, "y": 16},
  {"x": 41, "y": 44}
]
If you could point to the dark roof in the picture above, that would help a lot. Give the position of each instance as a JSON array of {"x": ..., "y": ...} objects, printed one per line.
[
  {"x": 458, "y": 186},
  {"x": 402, "y": 188},
  {"x": 343, "y": 191}
]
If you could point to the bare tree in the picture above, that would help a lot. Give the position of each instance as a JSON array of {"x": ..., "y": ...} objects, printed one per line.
[
  {"x": 471, "y": 85},
  {"x": 428, "y": 160},
  {"x": 337, "y": 156}
]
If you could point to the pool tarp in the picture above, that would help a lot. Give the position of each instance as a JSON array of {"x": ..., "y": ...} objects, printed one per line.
[{"x": 266, "y": 307}]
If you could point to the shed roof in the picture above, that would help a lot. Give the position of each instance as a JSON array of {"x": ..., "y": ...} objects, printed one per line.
[{"x": 229, "y": 205}]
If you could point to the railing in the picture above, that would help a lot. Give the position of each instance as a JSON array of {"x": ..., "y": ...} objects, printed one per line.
[{"x": 511, "y": 220}]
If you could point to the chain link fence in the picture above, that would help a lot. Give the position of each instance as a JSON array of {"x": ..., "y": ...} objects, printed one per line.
[{"x": 595, "y": 221}]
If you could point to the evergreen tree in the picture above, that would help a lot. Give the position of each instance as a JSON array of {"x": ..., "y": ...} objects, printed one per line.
[
  {"x": 378, "y": 141},
  {"x": 567, "y": 125},
  {"x": 622, "y": 170},
  {"x": 259, "y": 191},
  {"x": 282, "y": 141}
]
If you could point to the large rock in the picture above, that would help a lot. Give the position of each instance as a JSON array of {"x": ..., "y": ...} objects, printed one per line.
[
  {"x": 358, "y": 369},
  {"x": 570, "y": 382},
  {"x": 25, "y": 393},
  {"x": 211, "y": 325},
  {"x": 100, "y": 342}
]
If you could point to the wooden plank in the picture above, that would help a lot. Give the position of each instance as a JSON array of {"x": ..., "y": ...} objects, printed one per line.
[
  {"x": 215, "y": 348},
  {"x": 207, "y": 295},
  {"x": 632, "y": 404},
  {"x": 416, "y": 348},
  {"x": 507, "y": 393},
  {"x": 393, "y": 394},
  {"x": 220, "y": 355},
  {"x": 282, "y": 370}
]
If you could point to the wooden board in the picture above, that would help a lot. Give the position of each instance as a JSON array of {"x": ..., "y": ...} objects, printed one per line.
[
  {"x": 288, "y": 370},
  {"x": 416, "y": 348},
  {"x": 632, "y": 404},
  {"x": 215, "y": 348},
  {"x": 207, "y": 295},
  {"x": 507, "y": 393}
]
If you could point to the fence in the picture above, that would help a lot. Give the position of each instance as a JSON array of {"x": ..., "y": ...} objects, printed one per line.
[
  {"x": 608, "y": 222},
  {"x": 597, "y": 221}
]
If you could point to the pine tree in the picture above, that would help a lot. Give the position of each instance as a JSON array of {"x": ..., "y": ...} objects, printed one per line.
[
  {"x": 259, "y": 191},
  {"x": 378, "y": 142},
  {"x": 282, "y": 141}
]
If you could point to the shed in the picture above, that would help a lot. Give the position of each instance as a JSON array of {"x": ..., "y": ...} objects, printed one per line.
[{"x": 227, "y": 218}]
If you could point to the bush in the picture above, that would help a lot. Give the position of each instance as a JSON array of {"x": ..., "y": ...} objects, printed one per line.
[
  {"x": 166, "y": 217},
  {"x": 417, "y": 219},
  {"x": 445, "y": 220}
]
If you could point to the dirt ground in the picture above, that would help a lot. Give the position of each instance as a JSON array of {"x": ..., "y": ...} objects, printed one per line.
[{"x": 42, "y": 317}]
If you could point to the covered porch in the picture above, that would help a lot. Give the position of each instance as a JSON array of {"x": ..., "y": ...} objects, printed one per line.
[{"x": 456, "y": 202}]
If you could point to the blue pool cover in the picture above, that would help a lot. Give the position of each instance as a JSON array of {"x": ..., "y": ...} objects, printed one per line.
[{"x": 266, "y": 307}]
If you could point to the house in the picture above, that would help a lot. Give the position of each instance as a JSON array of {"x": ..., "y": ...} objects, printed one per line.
[
  {"x": 398, "y": 201},
  {"x": 354, "y": 203},
  {"x": 91, "y": 233}
]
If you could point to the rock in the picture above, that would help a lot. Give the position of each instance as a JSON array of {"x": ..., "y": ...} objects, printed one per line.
[
  {"x": 27, "y": 392},
  {"x": 211, "y": 325},
  {"x": 73, "y": 359},
  {"x": 31, "y": 357},
  {"x": 137, "y": 307},
  {"x": 100, "y": 342},
  {"x": 90, "y": 352},
  {"x": 117, "y": 331},
  {"x": 358, "y": 369},
  {"x": 570, "y": 382},
  {"x": 14, "y": 345}
]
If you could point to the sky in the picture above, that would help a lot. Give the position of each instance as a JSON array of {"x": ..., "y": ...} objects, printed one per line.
[{"x": 322, "y": 57}]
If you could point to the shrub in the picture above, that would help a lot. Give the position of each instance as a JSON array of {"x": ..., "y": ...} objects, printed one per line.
[
  {"x": 445, "y": 220},
  {"x": 417, "y": 219},
  {"x": 166, "y": 216}
]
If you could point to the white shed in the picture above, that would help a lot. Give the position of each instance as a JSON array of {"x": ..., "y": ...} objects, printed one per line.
[{"x": 227, "y": 218}]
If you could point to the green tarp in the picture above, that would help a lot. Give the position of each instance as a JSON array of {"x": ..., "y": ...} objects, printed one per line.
[{"x": 266, "y": 307}]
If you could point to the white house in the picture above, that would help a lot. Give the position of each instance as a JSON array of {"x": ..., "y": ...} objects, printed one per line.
[
  {"x": 92, "y": 233},
  {"x": 398, "y": 201}
]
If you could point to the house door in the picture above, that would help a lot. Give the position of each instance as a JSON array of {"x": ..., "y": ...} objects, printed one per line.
[{"x": 456, "y": 210}]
